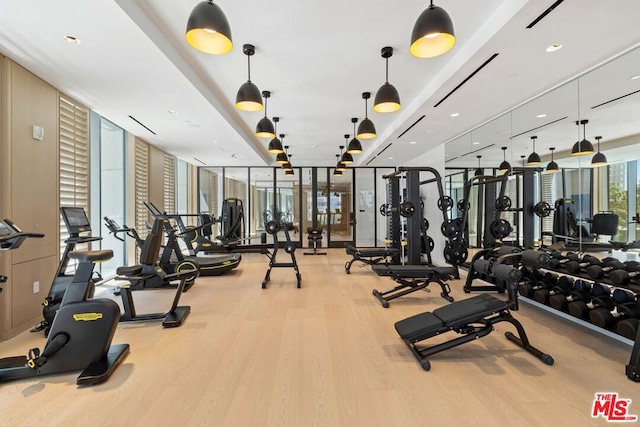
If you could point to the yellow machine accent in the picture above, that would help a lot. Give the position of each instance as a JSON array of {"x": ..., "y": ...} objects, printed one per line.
[{"x": 87, "y": 317}]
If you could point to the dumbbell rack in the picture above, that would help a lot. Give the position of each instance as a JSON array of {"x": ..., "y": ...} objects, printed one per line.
[{"x": 633, "y": 368}]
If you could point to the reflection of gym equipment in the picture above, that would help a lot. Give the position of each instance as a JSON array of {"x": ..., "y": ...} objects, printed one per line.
[
  {"x": 81, "y": 331},
  {"x": 76, "y": 221},
  {"x": 568, "y": 229},
  {"x": 273, "y": 227},
  {"x": 413, "y": 278},
  {"x": 314, "y": 236},
  {"x": 369, "y": 256},
  {"x": 148, "y": 275},
  {"x": 474, "y": 317}
]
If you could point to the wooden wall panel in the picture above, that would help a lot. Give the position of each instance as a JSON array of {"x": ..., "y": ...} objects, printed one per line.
[
  {"x": 28, "y": 192},
  {"x": 34, "y": 164},
  {"x": 156, "y": 177},
  {"x": 25, "y": 304}
]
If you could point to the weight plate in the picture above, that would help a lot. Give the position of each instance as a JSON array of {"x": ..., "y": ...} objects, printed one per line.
[
  {"x": 542, "y": 209},
  {"x": 451, "y": 228},
  {"x": 503, "y": 203},
  {"x": 445, "y": 203},
  {"x": 383, "y": 209},
  {"x": 500, "y": 228},
  {"x": 463, "y": 205},
  {"x": 455, "y": 253},
  {"x": 289, "y": 247},
  {"x": 272, "y": 227}
]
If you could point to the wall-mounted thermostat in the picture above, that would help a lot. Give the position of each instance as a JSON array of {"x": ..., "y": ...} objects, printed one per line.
[{"x": 38, "y": 133}]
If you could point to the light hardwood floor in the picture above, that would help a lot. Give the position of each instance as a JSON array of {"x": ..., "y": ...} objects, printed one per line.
[{"x": 323, "y": 355}]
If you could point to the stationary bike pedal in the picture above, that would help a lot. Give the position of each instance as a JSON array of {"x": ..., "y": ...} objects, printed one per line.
[{"x": 39, "y": 327}]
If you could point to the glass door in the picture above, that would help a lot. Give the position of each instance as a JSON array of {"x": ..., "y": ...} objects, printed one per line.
[
  {"x": 340, "y": 214},
  {"x": 365, "y": 209}
]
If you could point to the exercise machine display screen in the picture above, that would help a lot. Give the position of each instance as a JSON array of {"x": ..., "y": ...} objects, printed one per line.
[{"x": 75, "y": 219}]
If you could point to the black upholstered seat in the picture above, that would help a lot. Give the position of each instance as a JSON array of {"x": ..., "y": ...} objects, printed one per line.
[
  {"x": 425, "y": 325},
  {"x": 413, "y": 271}
]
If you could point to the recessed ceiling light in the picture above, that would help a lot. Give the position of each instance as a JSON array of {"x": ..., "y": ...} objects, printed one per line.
[
  {"x": 476, "y": 143},
  {"x": 390, "y": 158},
  {"x": 541, "y": 116},
  {"x": 554, "y": 47},
  {"x": 72, "y": 39},
  {"x": 455, "y": 114},
  {"x": 172, "y": 112},
  {"x": 637, "y": 76},
  {"x": 412, "y": 143}
]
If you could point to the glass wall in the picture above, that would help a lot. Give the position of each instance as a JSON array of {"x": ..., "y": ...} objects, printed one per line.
[
  {"x": 268, "y": 194},
  {"x": 182, "y": 186},
  {"x": 108, "y": 188}
]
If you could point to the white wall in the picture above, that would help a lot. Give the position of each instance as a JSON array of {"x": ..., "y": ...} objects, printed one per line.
[{"x": 430, "y": 195}]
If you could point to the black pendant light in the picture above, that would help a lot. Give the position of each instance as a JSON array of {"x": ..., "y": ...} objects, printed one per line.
[
  {"x": 432, "y": 33},
  {"x": 599, "y": 159},
  {"x": 585, "y": 146},
  {"x": 366, "y": 129},
  {"x": 347, "y": 158},
  {"x": 479, "y": 171},
  {"x": 552, "y": 167},
  {"x": 534, "y": 158},
  {"x": 249, "y": 97},
  {"x": 288, "y": 166},
  {"x": 355, "y": 147},
  {"x": 387, "y": 98},
  {"x": 275, "y": 145},
  {"x": 341, "y": 166},
  {"x": 505, "y": 167},
  {"x": 282, "y": 158},
  {"x": 289, "y": 172},
  {"x": 208, "y": 29},
  {"x": 265, "y": 129},
  {"x": 338, "y": 170}
]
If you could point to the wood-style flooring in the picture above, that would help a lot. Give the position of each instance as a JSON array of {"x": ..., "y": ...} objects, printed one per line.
[{"x": 323, "y": 355}]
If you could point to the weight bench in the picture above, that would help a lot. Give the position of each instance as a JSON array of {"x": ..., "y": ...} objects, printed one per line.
[
  {"x": 413, "y": 278},
  {"x": 370, "y": 256},
  {"x": 473, "y": 318},
  {"x": 314, "y": 236}
]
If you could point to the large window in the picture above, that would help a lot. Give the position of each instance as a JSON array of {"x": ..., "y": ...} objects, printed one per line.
[
  {"x": 108, "y": 188},
  {"x": 619, "y": 197}
]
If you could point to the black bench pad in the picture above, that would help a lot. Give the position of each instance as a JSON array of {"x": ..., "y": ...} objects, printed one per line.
[
  {"x": 370, "y": 252},
  {"x": 413, "y": 271},
  {"x": 425, "y": 325}
]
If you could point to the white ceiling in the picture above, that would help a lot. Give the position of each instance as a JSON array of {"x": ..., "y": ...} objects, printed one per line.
[{"x": 316, "y": 59}]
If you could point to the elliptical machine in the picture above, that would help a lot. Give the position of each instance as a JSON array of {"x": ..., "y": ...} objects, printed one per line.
[{"x": 81, "y": 332}]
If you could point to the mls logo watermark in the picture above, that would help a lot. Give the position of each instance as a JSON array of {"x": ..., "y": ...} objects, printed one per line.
[{"x": 612, "y": 408}]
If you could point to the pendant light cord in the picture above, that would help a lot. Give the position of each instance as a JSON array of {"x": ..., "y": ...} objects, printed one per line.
[
  {"x": 387, "y": 68},
  {"x": 265, "y": 106},
  {"x": 249, "y": 68},
  {"x": 365, "y": 112}
]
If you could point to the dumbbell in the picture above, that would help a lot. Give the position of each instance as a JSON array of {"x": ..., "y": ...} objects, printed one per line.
[
  {"x": 558, "y": 260},
  {"x": 562, "y": 287},
  {"x": 596, "y": 272},
  {"x": 628, "y": 328},
  {"x": 574, "y": 267},
  {"x": 624, "y": 295},
  {"x": 543, "y": 281},
  {"x": 620, "y": 277},
  {"x": 581, "y": 292},
  {"x": 606, "y": 318},
  {"x": 600, "y": 297},
  {"x": 530, "y": 278}
]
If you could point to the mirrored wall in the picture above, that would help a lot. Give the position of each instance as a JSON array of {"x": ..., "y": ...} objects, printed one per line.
[{"x": 598, "y": 109}]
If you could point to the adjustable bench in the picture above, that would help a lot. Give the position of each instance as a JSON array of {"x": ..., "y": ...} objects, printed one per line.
[
  {"x": 473, "y": 318},
  {"x": 413, "y": 278},
  {"x": 371, "y": 256}
]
